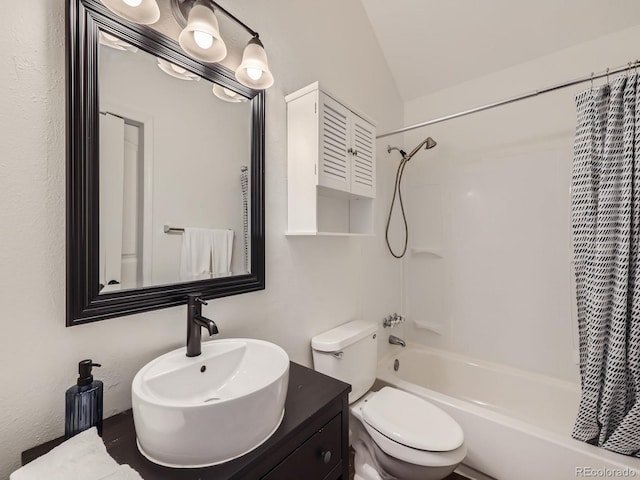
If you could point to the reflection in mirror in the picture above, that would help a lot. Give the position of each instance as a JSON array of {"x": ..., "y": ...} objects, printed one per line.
[{"x": 175, "y": 154}]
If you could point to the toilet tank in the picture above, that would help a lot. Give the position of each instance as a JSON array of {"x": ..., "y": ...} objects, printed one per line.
[{"x": 349, "y": 353}]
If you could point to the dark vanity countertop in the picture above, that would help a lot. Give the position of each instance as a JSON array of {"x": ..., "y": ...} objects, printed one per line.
[{"x": 310, "y": 393}]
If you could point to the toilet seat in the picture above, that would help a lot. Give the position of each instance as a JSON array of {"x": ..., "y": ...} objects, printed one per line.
[
  {"x": 410, "y": 428},
  {"x": 414, "y": 456}
]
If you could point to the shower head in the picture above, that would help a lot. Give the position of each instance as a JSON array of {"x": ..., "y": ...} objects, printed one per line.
[{"x": 427, "y": 143}]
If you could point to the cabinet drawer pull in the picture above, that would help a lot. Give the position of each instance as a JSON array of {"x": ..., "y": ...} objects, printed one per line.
[{"x": 326, "y": 456}]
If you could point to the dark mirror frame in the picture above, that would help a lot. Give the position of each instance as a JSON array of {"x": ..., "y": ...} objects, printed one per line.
[{"x": 84, "y": 303}]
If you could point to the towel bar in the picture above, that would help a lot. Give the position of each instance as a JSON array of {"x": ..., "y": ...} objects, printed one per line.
[{"x": 169, "y": 229}]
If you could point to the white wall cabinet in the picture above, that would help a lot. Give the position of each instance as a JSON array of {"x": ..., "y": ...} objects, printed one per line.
[{"x": 331, "y": 165}]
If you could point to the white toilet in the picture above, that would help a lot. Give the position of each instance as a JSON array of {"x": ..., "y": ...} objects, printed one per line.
[{"x": 396, "y": 435}]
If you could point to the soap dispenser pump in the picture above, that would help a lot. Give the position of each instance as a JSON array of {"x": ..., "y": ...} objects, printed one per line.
[{"x": 84, "y": 402}]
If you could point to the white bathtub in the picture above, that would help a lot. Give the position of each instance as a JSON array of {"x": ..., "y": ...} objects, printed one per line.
[{"x": 517, "y": 424}]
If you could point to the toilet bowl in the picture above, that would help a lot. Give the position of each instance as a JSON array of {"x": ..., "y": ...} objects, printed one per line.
[
  {"x": 396, "y": 435},
  {"x": 404, "y": 436}
]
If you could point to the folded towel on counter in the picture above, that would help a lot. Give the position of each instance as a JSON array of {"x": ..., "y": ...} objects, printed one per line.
[
  {"x": 123, "y": 472},
  {"x": 83, "y": 457}
]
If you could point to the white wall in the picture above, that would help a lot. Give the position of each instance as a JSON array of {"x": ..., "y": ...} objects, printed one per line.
[
  {"x": 494, "y": 198},
  {"x": 312, "y": 283}
]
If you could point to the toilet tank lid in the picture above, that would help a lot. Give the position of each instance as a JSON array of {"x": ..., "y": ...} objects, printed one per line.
[{"x": 342, "y": 336}]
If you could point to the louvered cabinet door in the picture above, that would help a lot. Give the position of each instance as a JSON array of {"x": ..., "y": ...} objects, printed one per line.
[
  {"x": 363, "y": 157},
  {"x": 334, "y": 168}
]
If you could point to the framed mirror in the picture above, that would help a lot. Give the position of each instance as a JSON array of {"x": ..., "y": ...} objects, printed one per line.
[{"x": 165, "y": 172}]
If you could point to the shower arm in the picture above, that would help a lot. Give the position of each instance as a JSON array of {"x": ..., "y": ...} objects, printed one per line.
[{"x": 402, "y": 152}]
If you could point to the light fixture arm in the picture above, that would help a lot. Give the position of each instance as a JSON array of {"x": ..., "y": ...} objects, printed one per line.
[
  {"x": 180, "y": 9},
  {"x": 235, "y": 19}
]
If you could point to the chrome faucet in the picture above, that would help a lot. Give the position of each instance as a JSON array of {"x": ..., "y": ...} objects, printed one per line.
[
  {"x": 195, "y": 321},
  {"x": 393, "y": 340}
]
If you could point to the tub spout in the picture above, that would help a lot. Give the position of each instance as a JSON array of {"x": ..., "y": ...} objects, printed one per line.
[{"x": 393, "y": 340}]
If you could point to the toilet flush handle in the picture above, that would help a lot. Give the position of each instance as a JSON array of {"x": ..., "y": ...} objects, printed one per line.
[{"x": 338, "y": 354}]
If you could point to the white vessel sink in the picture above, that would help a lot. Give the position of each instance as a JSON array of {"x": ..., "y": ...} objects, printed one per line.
[{"x": 205, "y": 410}]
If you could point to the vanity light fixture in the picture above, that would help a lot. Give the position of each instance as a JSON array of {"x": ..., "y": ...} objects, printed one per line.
[
  {"x": 227, "y": 95},
  {"x": 176, "y": 71},
  {"x": 145, "y": 12},
  {"x": 200, "y": 37}
]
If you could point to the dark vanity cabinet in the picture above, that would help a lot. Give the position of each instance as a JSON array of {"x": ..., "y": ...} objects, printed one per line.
[{"x": 312, "y": 443}]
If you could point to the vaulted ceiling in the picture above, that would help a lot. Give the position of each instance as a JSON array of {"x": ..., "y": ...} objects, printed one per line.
[{"x": 432, "y": 44}]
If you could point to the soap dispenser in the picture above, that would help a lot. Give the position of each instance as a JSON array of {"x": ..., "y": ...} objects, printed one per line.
[{"x": 83, "y": 402}]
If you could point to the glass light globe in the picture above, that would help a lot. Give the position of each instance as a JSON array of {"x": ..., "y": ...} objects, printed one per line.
[
  {"x": 133, "y": 3},
  {"x": 254, "y": 73},
  {"x": 204, "y": 40}
]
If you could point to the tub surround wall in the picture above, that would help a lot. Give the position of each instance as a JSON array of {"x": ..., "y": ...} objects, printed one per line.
[
  {"x": 313, "y": 284},
  {"x": 491, "y": 204}
]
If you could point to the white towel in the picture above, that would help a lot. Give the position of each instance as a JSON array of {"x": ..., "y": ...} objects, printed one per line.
[
  {"x": 123, "y": 472},
  {"x": 221, "y": 251},
  {"x": 195, "y": 259},
  {"x": 83, "y": 457}
]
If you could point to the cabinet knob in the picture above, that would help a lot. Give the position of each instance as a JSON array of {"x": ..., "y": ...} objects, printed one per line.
[
  {"x": 350, "y": 150},
  {"x": 326, "y": 456}
]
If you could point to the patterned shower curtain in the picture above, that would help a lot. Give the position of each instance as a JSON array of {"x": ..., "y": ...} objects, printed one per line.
[{"x": 606, "y": 230}]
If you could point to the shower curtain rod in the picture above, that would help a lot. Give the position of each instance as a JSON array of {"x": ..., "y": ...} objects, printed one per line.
[{"x": 593, "y": 76}]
